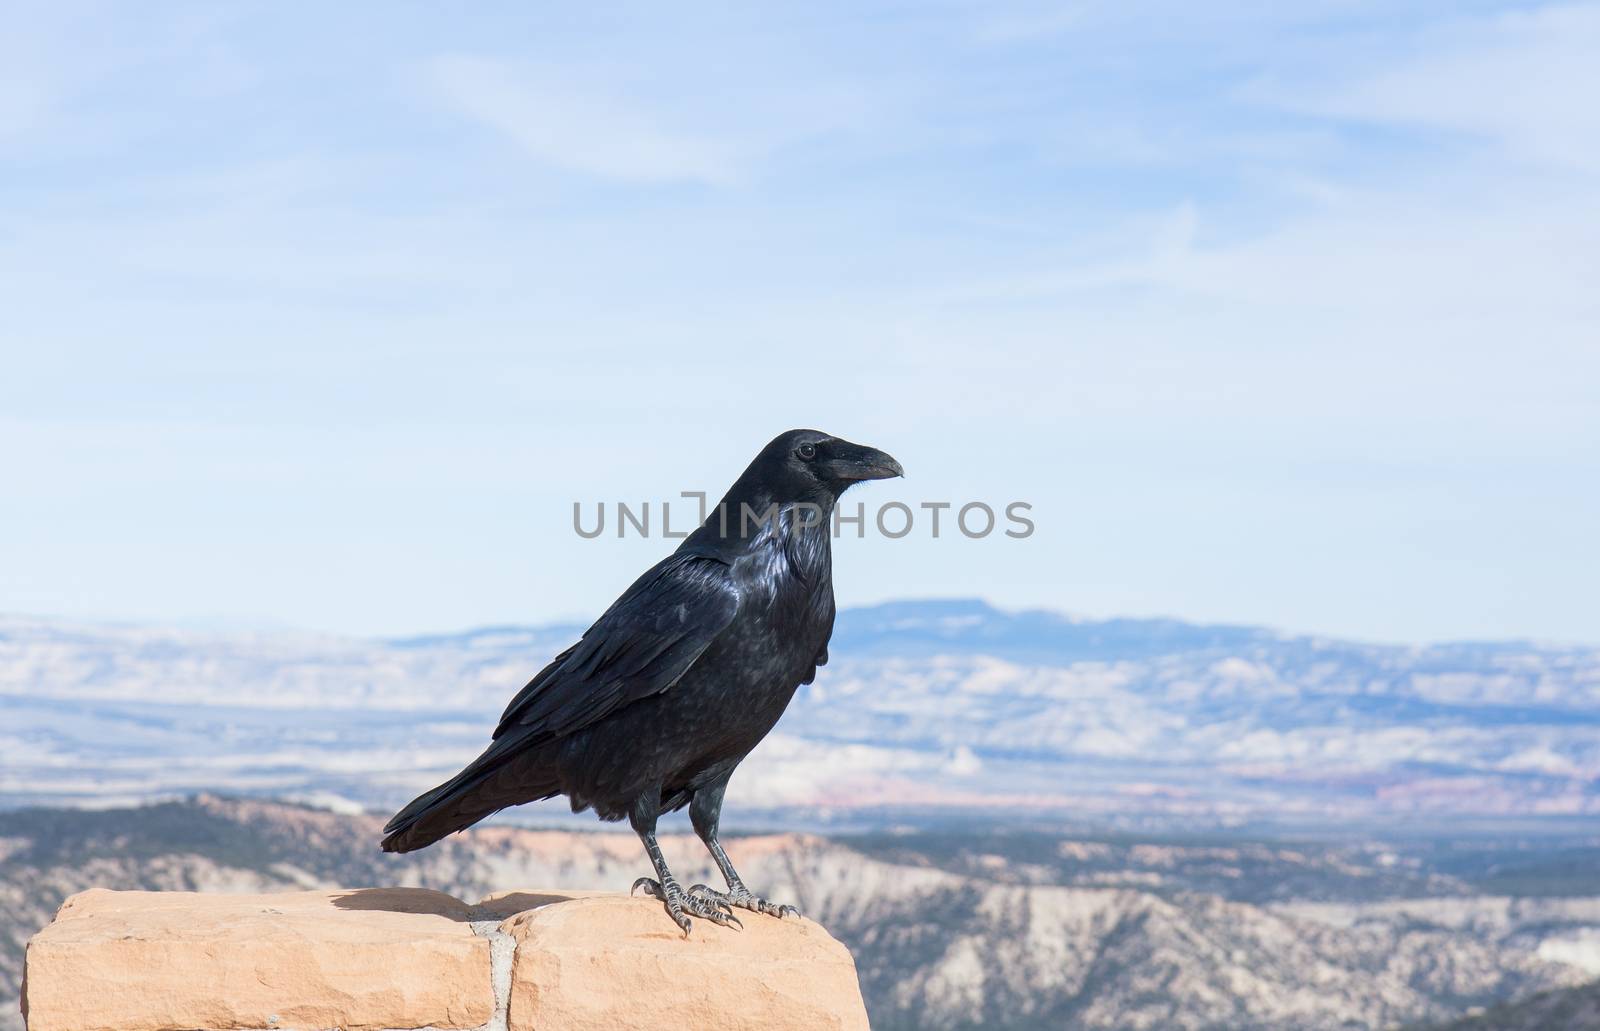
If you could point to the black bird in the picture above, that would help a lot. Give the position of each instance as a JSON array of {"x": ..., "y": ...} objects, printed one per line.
[{"x": 657, "y": 704}]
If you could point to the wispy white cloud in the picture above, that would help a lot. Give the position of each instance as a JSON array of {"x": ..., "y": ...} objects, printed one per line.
[
  {"x": 570, "y": 123},
  {"x": 1523, "y": 81},
  {"x": 1422, "y": 250}
]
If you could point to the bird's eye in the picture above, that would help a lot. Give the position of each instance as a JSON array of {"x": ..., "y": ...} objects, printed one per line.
[{"x": 807, "y": 451}]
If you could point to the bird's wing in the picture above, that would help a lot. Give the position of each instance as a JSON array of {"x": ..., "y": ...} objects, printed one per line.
[{"x": 643, "y": 644}]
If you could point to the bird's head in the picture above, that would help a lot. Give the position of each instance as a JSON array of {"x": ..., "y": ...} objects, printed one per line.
[{"x": 803, "y": 464}]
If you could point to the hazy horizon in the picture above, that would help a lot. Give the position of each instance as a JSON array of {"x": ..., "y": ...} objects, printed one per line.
[{"x": 224, "y": 626}]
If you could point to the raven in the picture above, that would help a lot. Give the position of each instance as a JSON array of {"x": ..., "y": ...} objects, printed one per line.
[{"x": 657, "y": 704}]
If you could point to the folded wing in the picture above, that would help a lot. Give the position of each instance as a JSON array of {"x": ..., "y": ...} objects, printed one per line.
[{"x": 640, "y": 647}]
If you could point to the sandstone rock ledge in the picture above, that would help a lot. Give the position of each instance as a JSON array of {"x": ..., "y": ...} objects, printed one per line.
[{"x": 381, "y": 959}]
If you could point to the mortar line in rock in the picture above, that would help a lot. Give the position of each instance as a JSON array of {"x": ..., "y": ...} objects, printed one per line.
[{"x": 502, "y": 949}]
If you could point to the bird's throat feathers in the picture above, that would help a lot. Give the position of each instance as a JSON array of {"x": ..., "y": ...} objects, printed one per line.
[{"x": 794, "y": 534}]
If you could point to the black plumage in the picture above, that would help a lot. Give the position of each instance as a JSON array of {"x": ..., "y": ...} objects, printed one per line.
[{"x": 682, "y": 676}]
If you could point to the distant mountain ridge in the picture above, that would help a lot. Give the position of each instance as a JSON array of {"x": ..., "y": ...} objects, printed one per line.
[
  {"x": 960, "y": 625},
  {"x": 972, "y": 626},
  {"x": 927, "y": 706}
]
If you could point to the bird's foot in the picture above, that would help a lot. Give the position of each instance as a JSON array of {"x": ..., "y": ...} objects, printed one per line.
[
  {"x": 738, "y": 896},
  {"x": 681, "y": 905}
]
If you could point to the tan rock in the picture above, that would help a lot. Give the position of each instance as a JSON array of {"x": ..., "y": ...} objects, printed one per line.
[
  {"x": 610, "y": 961},
  {"x": 154, "y": 961},
  {"x": 405, "y": 958}
]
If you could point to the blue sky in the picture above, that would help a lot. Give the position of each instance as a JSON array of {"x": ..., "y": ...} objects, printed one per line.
[{"x": 1283, "y": 314}]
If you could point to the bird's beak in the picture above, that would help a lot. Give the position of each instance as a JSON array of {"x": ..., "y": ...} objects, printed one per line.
[{"x": 853, "y": 462}]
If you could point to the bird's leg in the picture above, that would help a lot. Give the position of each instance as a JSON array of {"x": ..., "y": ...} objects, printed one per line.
[
  {"x": 680, "y": 904},
  {"x": 705, "y": 811}
]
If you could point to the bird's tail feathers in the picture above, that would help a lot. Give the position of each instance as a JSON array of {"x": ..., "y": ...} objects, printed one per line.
[{"x": 498, "y": 778}]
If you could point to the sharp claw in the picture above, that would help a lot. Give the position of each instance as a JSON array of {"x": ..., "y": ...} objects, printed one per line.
[
  {"x": 708, "y": 903},
  {"x": 712, "y": 897},
  {"x": 705, "y": 904},
  {"x": 742, "y": 898}
]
